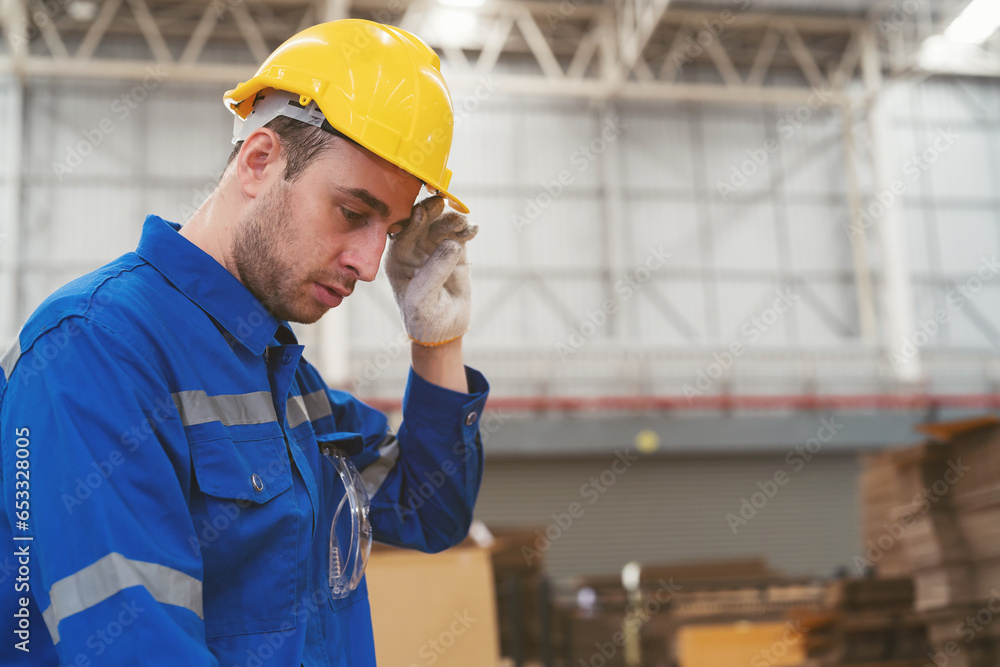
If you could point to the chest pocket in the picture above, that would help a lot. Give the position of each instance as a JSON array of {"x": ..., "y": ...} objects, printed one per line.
[{"x": 246, "y": 525}]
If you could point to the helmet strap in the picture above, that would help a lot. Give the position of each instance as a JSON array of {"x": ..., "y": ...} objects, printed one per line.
[{"x": 268, "y": 106}]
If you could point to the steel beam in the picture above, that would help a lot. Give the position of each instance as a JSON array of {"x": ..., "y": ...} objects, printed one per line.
[
  {"x": 897, "y": 292},
  {"x": 864, "y": 292},
  {"x": 10, "y": 234},
  {"x": 590, "y": 51},
  {"x": 15, "y": 27}
]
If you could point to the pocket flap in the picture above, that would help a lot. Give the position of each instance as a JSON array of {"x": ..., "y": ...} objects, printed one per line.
[
  {"x": 253, "y": 470},
  {"x": 351, "y": 444}
]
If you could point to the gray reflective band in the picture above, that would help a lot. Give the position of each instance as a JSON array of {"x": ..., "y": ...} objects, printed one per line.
[
  {"x": 375, "y": 474},
  {"x": 308, "y": 407},
  {"x": 112, "y": 574},
  {"x": 196, "y": 407},
  {"x": 10, "y": 357}
]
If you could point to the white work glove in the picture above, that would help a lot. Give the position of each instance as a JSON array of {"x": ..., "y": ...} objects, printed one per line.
[{"x": 429, "y": 273}]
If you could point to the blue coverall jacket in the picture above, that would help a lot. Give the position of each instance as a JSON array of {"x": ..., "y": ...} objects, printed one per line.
[{"x": 166, "y": 500}]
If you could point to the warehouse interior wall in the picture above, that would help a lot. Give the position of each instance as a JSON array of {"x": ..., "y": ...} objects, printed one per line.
[
  {"x": 746, "y": 206},
  {"x": 717, "y": 213}
]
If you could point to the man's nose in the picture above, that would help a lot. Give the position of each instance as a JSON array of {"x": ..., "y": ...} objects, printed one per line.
[{"x": 362, "y": 258}]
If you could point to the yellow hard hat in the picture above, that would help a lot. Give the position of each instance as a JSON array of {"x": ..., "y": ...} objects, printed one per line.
[{"x": 378, "y": 85}]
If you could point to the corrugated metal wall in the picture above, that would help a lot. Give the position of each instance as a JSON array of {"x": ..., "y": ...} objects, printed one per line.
[
  {"x": 98, "y": 157},
  {"x": 167, "y": 144},
  {"x": 952, "y": 206},
  {"x": 664, "y": 510}
]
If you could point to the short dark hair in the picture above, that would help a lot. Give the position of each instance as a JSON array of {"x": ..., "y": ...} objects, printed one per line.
[{"x": 300, "y": 141}]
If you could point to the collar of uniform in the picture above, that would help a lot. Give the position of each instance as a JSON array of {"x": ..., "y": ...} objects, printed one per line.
[{"x": 206, "y": 282}]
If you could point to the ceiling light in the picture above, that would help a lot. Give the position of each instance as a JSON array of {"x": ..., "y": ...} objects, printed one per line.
[
  {"x": 940, "y": 54},
  {"x": 82, "y": 10},
  {"x": 453, "y": 27},
  {"x": 976, "y": 23}
]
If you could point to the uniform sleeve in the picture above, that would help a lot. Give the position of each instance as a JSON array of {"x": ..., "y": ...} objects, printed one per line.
[
  {"x": 114, "y": 569},
  {"x": 424, "y": 480}
]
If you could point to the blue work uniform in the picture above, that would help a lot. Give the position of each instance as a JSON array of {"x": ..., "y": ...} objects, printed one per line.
[{"x": 165, "y": 494}]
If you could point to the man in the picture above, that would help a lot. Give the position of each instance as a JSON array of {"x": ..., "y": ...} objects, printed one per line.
[{"x": 181, "y": 485}]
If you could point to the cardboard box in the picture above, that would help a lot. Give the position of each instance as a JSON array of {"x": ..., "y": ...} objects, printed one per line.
[
  {"x": 433, "y": 609},
  {"x": 739, "y": 644}
]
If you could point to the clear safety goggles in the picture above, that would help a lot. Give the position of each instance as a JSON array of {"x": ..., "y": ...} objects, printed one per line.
[{"x": 350, "y": 531}]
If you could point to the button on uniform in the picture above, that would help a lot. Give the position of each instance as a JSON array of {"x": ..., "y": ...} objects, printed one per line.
[
  {"x": 258, "y": 485},
  {"x": 471, "y": 418}
]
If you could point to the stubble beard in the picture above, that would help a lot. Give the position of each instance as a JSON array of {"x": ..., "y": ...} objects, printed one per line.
[{"x": 269, "y": 274}]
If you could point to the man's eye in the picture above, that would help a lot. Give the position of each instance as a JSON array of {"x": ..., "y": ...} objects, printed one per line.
[{"x": 351, "y": 216}]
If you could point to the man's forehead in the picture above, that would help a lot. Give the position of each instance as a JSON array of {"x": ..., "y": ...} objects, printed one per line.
[
  {"x": 390, "y": 170},
  {"x": 381, "y": 183}
]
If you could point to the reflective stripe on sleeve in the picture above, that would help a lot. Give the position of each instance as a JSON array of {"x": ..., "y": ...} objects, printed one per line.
[
  {"x": 196, "y": 407},
  {"x": 10, "y": 357},
  {"x": 375, "y": 474},
  {"x": 112, "y": 574},
  {"x": 308, "y": 407}
]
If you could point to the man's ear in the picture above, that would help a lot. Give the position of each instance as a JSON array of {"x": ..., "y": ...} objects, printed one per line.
[{"x": 260, "y": 162}]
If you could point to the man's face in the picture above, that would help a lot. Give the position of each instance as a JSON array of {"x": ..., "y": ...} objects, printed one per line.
[{"x": 302, "y": 246}]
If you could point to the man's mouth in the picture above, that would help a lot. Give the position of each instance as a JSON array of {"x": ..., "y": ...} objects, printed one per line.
[{"x": 331, "y": 297}]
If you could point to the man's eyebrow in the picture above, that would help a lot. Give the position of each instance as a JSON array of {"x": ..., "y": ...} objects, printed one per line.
[{"x": 370, "y": 200}]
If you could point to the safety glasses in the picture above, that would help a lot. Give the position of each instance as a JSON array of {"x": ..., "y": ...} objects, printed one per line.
[{"x": 350, "y": 532}]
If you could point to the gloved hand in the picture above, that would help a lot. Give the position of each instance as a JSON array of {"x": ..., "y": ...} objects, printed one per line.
[{"x": 429, "y": 273}]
